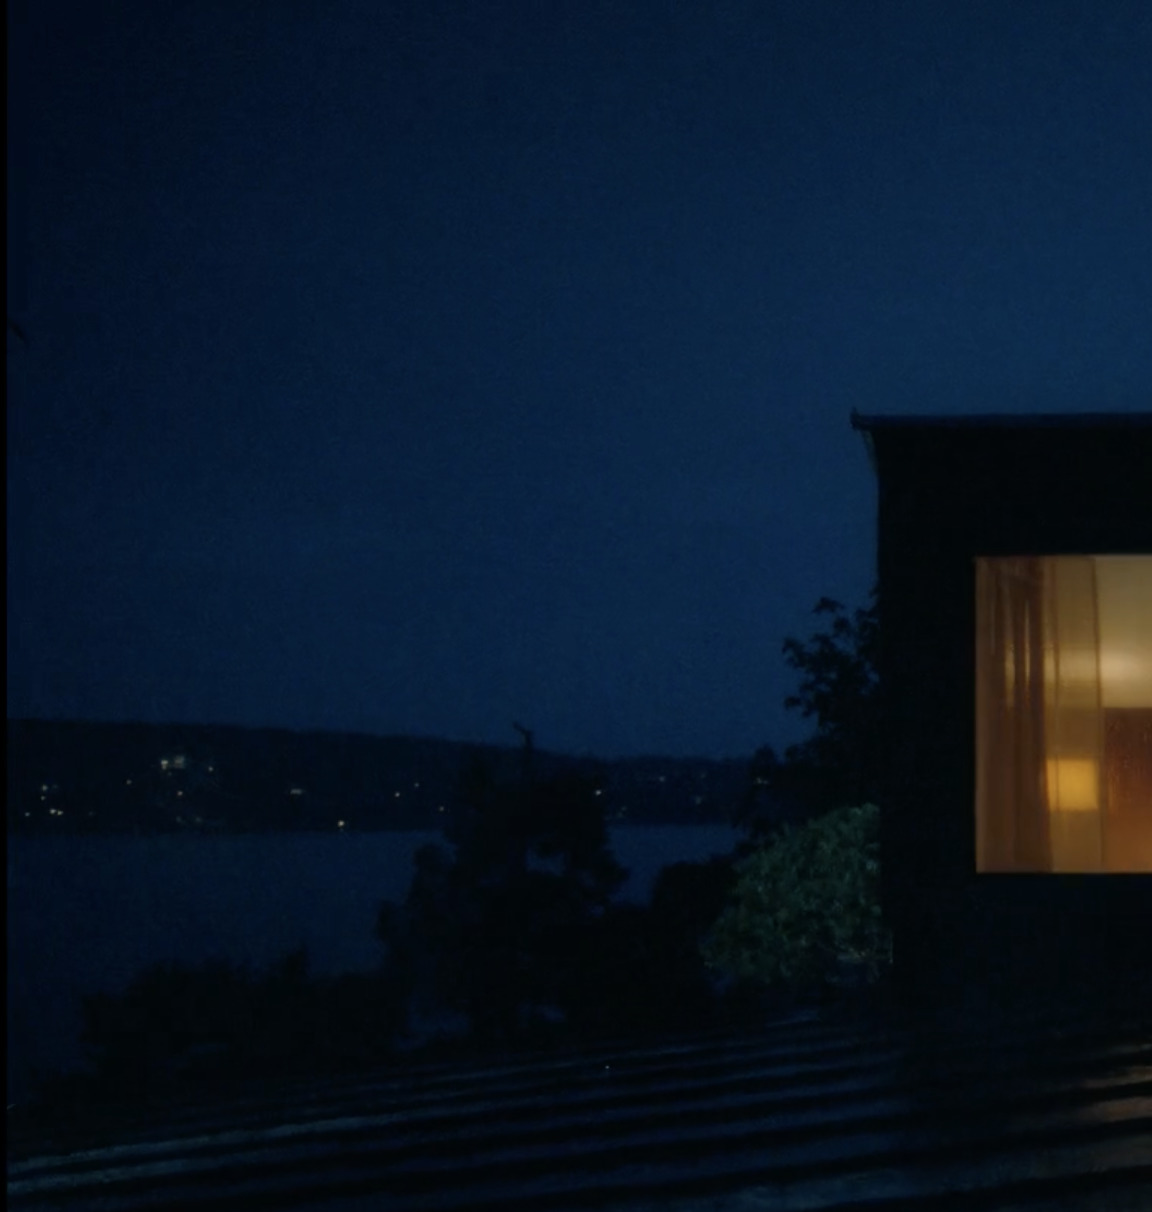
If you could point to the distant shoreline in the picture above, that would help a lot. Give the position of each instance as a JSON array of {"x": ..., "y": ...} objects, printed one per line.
[
  {"x": 83, "y": 778},
  {"x": 353, "y": 832}
]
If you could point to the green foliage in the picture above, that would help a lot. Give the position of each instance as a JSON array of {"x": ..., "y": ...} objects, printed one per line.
[{"x": 804, "y": 904}]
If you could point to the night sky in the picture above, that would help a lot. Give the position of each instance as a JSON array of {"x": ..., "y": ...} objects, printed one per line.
[{"x": 418, "y": 367}]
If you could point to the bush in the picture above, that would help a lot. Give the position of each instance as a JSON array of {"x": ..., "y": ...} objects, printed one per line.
[
  {"x": 806, "y": 905},
  {"x": 178, "y": 1025},
  {"x": 171, "y": 1018}
]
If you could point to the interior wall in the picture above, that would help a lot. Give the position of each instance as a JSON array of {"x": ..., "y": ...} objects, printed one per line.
[{"x": 1124, "y": 586}]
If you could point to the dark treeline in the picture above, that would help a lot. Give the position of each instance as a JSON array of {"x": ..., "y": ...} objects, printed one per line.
[{"x": 94, "y": 777}]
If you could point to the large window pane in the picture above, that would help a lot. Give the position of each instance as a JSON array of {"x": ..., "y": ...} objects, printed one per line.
[{"x": 1064, "y": 714}]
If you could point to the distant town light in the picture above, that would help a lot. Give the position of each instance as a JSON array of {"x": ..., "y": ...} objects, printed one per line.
[
  {"x": 43, "y": 786},
  {"x": 127, "y": 782},
  {"x": 396, "y": 795},
  {"x": 339, "y": 824}
]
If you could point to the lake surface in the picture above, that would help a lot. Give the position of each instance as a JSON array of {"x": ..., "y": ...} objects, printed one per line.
[{"x": 85, "y": 915}]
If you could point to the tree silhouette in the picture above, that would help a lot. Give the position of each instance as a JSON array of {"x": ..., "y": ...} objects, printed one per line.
[
  {"x": 840, "y": 690},
  {"x": 492, "y": 918}
]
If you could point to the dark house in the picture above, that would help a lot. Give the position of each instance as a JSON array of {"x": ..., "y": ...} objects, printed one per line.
[{"x": 1015, "y": 577}]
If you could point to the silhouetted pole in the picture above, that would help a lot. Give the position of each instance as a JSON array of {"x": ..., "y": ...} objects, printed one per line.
[{"x": 529, "y": 752}]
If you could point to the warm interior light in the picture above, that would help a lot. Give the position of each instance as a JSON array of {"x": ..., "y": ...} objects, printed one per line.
[
  {"x": 1073, "y": 785},
  {"x": 1082, "y": 717}
]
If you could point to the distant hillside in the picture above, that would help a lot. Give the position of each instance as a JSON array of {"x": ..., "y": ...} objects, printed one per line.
[{"x": 76, "y": 776}]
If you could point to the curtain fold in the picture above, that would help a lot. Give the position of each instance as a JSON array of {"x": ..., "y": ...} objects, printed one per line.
[
  {"x": 1012, "y": 826},
  {"x": 1073, "y": 714},
  {"x": 1041, "y": 790}
]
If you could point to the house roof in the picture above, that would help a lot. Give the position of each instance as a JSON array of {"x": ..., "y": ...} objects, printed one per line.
[
  {"x": 1003, "y": 420},
  {"x": 816, "y": 1111},
  {"x": 871, "y": 424}
]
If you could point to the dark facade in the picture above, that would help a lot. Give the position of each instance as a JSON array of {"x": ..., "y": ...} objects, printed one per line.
[{"x": 951, "y": 490}]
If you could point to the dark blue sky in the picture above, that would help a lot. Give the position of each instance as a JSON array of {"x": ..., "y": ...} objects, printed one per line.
[{"x": 417, "y": 367}]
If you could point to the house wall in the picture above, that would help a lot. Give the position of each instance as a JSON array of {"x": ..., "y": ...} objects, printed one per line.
[{"x": 948, "y": 494}]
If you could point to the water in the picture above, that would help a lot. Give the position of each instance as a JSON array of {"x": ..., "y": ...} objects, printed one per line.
[{"x": 85, "y": 915}]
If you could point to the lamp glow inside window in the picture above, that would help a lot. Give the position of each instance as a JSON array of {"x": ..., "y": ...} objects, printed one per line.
[{"x": 1064, "y": 713}]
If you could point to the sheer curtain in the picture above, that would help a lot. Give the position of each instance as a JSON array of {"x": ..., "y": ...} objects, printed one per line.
[
  {"x": 1012, "y": 826},
  {"x": 1073, "y": 714},
  {"x": 1040, "y": 786}
]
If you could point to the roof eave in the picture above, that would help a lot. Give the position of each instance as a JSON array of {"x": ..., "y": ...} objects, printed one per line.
[{"x": 1020, "y": 420}]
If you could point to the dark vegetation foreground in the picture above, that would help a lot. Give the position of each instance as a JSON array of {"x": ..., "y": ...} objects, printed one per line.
[{"x": 512, "y": 931}]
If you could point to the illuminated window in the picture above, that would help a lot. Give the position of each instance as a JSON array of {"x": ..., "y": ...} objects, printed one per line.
[{"x": 1064, "y": 714}]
